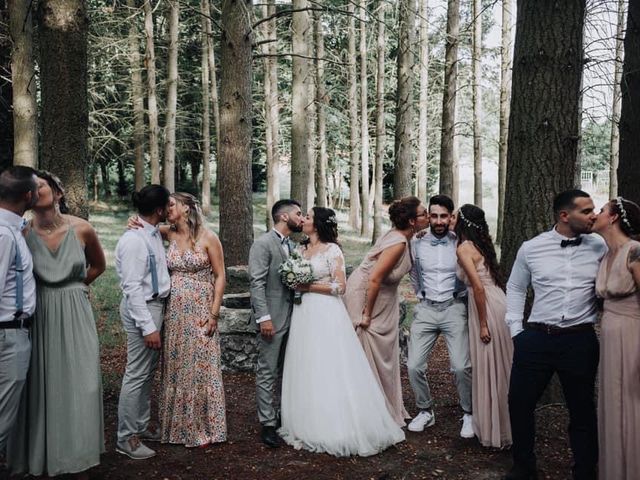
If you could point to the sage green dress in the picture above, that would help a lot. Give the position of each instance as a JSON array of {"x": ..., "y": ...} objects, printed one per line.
[{"x": 60, "y": 425}]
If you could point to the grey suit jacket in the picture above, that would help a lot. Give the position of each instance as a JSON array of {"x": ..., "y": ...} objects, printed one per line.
[{"x": 268, "y": 295}]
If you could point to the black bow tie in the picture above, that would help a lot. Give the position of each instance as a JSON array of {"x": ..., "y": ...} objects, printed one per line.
[
  {"x": 284, "y": 240},
  {"x": 571, "y": 243}
]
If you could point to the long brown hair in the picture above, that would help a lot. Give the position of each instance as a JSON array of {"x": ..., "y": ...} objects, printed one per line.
[{"x": 194, "y": 218}]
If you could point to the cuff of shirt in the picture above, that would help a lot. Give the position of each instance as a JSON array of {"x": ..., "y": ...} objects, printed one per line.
[
  {"x": 264, "y": 318},
  {"x": 148, "y": 329}
]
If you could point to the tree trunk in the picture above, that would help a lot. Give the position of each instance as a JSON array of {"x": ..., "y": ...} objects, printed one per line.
[
  {"x": 137, "y": 97},
  {"x": 152, "y": 102},
  {"x": 404, "y": 100},
  {"x": 321, "y": 116},
  {"x": 448, "y": 159},
  {"x": 63, "y": 27},
  {"x": 300, "y": 100},
  {"x": 477, "y": 102},
  {"x": 214, "y": 96},
  {"x": 169, "y": 165},
  {"x": 206, "y": 135},
  {"x": 25, "y": 110},
  {"x": 106, "y": 181},
  {"x": 544, "y": 127},
  {"x": 423, "y": 107},
  {"x": 628, "y": 168},
  {"x": 365, "y": 229},
  {"x": 614, "y": 154},
  {"x": 380, "y": 125},
  {"x": 352, "y": 100},
  {"x": 6, "y": 95},
  {"x": 505, "y": 94},
  {"x": 122, "y": 180},
  {"x": 236, "y": 209}
]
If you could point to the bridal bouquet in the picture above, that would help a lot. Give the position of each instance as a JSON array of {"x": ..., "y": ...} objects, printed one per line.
[{"x": 295, "y": 271}]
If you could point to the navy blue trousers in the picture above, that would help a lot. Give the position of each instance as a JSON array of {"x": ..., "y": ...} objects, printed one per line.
[{"x": 574, "y": 357}]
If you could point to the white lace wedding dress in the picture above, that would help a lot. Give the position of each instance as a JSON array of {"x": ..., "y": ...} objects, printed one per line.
[{"x": 331, "y": 401}]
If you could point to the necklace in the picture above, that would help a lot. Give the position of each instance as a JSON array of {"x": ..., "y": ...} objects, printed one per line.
[{"x": 53, "y": 226}]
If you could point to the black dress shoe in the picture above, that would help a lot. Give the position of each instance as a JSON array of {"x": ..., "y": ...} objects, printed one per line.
[
  {"x": 521, "y": 473},
  {"x": 270, "y": 437}
]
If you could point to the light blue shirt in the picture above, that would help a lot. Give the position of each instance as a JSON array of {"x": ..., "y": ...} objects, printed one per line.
[
  {"x": 10, "y": 220},
  {"x": 433, "y": 275},
  {"x": 563, "y": 281}
]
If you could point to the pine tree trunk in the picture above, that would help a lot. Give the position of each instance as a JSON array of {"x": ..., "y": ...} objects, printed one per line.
[
  {"x": 629, "y": 168},
  {"x": 63, "y": 26},
  {"x": 365, "y": 230},
  {"x": 448, "y": 160},
  {"x": 236, "y": 209},
  {"x": 106, "y": 181},
  {"x": 614, "y": 154},
  {"x": 321, "y": 116},
  {"x": 404, "y": 100},
  {"x": 206, "y": 134},
  {"x": 300, "y": 100},
  {"x": 137, "y": 97},
  {"x": 152, "y": 102},
  {"x": 352, "y": 100},
  {"x": 477, "y": 102},
  {"x": 423, "y": 107},
  {"x": 380, "y": 125},
  {"x": 505, "y": 95},
  {"x": 169, "y": 165},
  {"x": 6, "y": 94},
  {"x": 214, "y": 95},
  {"x": 25, "y": 110},
  {"x": 543, "y": 127}
]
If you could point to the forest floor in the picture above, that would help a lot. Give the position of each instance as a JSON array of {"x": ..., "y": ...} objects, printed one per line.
[{"x": 436, "y": 453}]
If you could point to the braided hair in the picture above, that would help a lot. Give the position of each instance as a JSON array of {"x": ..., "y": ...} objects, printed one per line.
[
  {"x": 471, "y": 225},
  {"x": 194, "y": 218},
  {"x": 629, "y": 213},
  {"x": 56, "y": 186},
  {"x": 326, "y": 225}
]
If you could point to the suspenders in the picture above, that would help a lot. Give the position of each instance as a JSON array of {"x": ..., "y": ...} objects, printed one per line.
[
  {"x": 19, "y": 275},
  {"x": 153, "y": 267}
]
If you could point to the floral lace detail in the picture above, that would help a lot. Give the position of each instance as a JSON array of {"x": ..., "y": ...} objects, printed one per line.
[{"x": 328, "y": 267}]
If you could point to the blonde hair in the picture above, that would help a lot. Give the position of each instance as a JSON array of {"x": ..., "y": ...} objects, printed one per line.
[{"x": 194, "y": 218}]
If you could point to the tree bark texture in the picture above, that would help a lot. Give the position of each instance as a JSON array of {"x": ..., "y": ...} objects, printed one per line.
[
  {"x": 505, "y": 95},
  {"x": 404, "y": 100},
  {"x": 354, "y": 136},
  {"x": 169, "y": 164},
  {"x": 152, "y": 101},
  {"x": 63, "y": 27},
  {"x": 236, "y": 210},
  {"x": 365, "y": 230},
  {"x": 614, "y": 150},
  {"x": 544, "y": 126},
  {"x": 25, "y": 110},
  {"x": 6, "y": 95},
  {"x": 423, "y": 106},
  {"x": 477, "y": 102},
  {"x": 300, "y": 26},
  {"x": 137, "y": 96},
  {"x": 321, "y": 116},
  {"x": 448, "y": 160},
  {"x": 380, "y": 125},
  {"x": 206, "y": 110},
  {"x": 214, "y": 91}
]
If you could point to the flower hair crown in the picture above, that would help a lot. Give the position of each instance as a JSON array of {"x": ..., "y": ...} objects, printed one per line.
[
  {"x": 331, "y": 220},
  {"x": 623, "y": 212},
  {"x": 467, "y": 221}
]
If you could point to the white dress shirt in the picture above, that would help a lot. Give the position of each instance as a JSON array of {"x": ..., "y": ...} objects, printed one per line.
[
  {"x": 563, "y": 281},
  {"x": 132, "y": 266},
  {"x": 435, "y": 265},
  {"x": 8, "y": 267}
]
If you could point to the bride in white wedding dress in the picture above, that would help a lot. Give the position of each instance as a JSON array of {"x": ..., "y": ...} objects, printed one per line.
[{"x": 331, "y": 401}]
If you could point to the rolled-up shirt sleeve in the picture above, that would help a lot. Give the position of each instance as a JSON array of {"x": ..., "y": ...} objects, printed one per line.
[
  {"x": 134, "y": 259},
  {"x": 517, "y": 287}
]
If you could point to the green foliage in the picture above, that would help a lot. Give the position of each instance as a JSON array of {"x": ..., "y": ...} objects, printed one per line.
[{"x": 596, "y": 138}]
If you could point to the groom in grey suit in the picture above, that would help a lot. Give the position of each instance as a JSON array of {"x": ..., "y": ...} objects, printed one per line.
[{"x": 271, "y": 305}]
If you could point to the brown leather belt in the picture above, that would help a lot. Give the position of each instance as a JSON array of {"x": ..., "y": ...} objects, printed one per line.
[
  {"x": 554, "y": 330},
  {"x": 24, "y": 322}
]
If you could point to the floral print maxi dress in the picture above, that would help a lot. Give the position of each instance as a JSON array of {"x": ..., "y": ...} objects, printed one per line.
[{"x": 192, "y": 403}]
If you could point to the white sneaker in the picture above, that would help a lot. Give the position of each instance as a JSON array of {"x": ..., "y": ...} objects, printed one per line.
[
  {"x": 467, "y": 426},
  {"x": 134, "y": 449},
  {"x": 423, "y": 419}
]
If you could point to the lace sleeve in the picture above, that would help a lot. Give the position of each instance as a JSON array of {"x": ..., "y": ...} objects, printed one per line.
[{"x": 335, "y": 260}]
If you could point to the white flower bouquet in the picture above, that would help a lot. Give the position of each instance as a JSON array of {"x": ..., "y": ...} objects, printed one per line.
[{"x": 294, "y": 271}]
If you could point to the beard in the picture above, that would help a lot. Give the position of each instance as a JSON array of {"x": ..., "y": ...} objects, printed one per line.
[{"x": 294, "y": 227}]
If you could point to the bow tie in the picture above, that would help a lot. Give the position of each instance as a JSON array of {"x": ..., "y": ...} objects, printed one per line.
[
  {"x": 284, "y": 240},
  {"x": 571, "y": 243},
  {"x": 438, "y": 241}
]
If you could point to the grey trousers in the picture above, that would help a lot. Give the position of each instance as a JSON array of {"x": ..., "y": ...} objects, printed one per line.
[
  {"x": 428, "y": 323},
  {"x": 270, "y": 358},
  {"x": 134, "y": 406},
  {"x": 15, "y": 353}
]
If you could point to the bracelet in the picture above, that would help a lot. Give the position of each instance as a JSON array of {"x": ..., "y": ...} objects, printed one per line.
[{"x": 215, "y": 316}]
